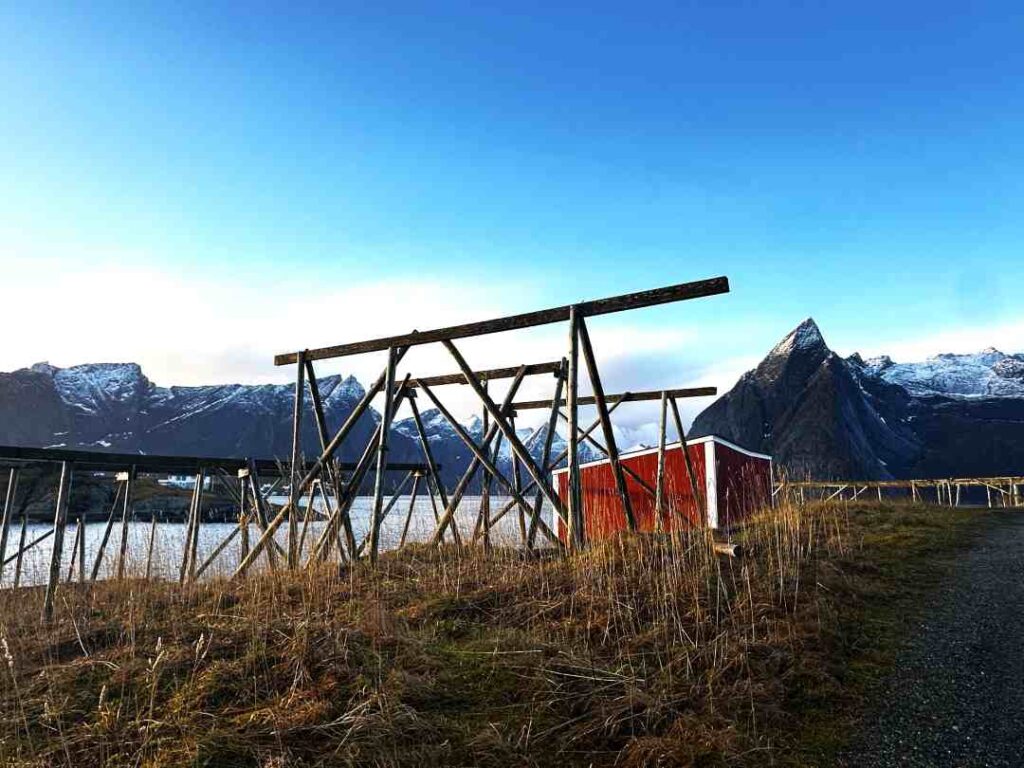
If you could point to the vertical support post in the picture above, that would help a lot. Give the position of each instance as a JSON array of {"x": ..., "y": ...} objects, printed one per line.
[
  {"x": 606, "y": 424},
  {"x": 296, "y": 470},
  {"x": 432, "y": 467},
  {"x": 913, "y": 492},
  {"x": 21, "y": 549},
  {"x": 60, "y": 520},
  {"x": 517, "y": 484},
  {"x": 6, "y": 515},
  {"x": 549, "y": 438},
  {"x": 698, "y": 496},
  {"x": 125, "y": 514},
  {"x": 382, "y": 456},
  {"x": 81, "y": 550},
  {"x": 193, "y": 562},
  {"x": 659, "y": 488},
  {"x": 74, "y": 550},
  {"x": 485, "y": 488},
  {"x": 412, "y": 505},
  {"x": 574, "y": 506},
  {"x": 187, "y": 544},
  {"x": 879, "y": 493},
  {"x": 149, "y": 547}
]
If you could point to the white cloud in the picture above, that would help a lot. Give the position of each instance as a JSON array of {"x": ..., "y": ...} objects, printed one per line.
[
  {"x": 1007, "y": 337},
  {"x": 193, "y": 327}
]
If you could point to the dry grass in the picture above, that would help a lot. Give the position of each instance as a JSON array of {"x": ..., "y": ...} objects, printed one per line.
[{"x": 641, "y": 651}]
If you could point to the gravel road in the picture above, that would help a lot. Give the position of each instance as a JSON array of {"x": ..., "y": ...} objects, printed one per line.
[{"x": 956, "y": 695}]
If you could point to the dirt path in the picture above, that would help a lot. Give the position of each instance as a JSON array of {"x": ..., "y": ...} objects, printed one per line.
[{"x": 956, "y": 697}]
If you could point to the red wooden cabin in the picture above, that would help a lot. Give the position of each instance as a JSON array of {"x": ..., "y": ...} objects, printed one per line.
[{"x": 736, "y": 482}]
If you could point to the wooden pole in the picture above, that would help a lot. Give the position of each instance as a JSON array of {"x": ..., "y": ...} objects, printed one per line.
[
  {"x": 106, "y": 533},
  {"x": 498, "y": 415},
  {"x": 216, "y": 552},
  {"x": 60, "y": 520},
  {"x": 243, "y": 523},
  {"x": 650, "y": 298},
  {"x": 626, "y": 397},
  {"x": 545, "y": 459},
  {"x": 31, "y": 545},
  {"x": 609, "y": 435},
  {"x": 480, "y": 456},
  {"x": 553, "y": 464},
  {"x": 194, "y": 543},
  {"x": 432, "y": 468},
  {"x": 382, "y": 459},
  {"x": 149, "y": 547},
  {"x": 659, "y": 487},
  {"x": 637, "y": 478},
  {"x": 296, "y": 463},
  {"x": 387, "y": 509},
  {"x": 81, "y": 551},
  {"x": 125, "y": 515},
  {"x": 74, "y": 550},
  {"x": 6, "y": 515},
  {"x": 276, "y": 522},
  {"x": 695, "y": 489},
  {"x": 517, "y": 483},
  {"x": 260, "y": 510},
  {"x": 574, "y": 496},
  {"x": 21, "y": 549},
  {"x": 187, "y": 546},
  {"x": 412, "y": 505},
  {"x": 485, "y": 489}
]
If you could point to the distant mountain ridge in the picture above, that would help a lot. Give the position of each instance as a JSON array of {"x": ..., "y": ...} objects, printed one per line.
[
  {"x": 115, "y": 407},
  {"x": 824, "y": 416}
]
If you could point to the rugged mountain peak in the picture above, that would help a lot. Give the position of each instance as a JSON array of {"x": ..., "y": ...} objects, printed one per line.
[{"x": 806, "y": 337}]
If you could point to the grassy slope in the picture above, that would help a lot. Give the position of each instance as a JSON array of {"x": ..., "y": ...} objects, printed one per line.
[{"x": 638, "y": 653}]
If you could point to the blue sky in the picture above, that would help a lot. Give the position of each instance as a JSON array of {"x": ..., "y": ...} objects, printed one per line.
[{"x": 858, "y": 162}]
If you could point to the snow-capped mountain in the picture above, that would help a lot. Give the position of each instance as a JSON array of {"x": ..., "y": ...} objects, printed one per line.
[
  {"x": 114, "y": 407},
  {"x": 988, "y": 373},
  {"x": 825, "y": 416}
]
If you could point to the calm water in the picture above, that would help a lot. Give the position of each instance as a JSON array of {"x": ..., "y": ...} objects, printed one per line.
[{"x": 170, "y": 539}]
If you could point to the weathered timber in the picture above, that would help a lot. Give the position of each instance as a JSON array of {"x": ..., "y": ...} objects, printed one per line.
[
  {"x": 606, "y": 424},
  {"x": 151, "y": 464},
  {"x": 432, "y": 469},
  {"x": 7, "y": 514},
  {"x": 60, "y": 519},
  {"x": 545, "y": 459},
  {"x": 126, "y": 512},
  {"x": 626, "y": 397},
  {"x": 295, "y": 468},
  {"x": 383, "y": 445},
  {"x": 698, "y": 497},
  {"x": 499, "y": 415},
  {"x": 412, "y": 506},
  {"x": 494, "y": 373},
  {"x": 659, "y": 484},
  {"x": 106, "y": 533},
  {"x": 669, "y": 294},
  {"x": 574, "y": 497}
]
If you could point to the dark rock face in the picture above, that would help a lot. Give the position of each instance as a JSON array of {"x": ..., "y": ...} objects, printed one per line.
[{"x": 825, "y": 417}]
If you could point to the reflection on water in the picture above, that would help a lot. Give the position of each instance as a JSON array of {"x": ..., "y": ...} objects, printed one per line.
[{"x": 170, "y": 540}]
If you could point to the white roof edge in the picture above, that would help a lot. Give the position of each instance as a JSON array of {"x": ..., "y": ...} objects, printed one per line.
[{"x": 676, "y": 444}]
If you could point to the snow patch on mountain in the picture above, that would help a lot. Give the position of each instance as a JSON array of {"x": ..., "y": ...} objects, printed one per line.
[{"x": 989, "y": 373}]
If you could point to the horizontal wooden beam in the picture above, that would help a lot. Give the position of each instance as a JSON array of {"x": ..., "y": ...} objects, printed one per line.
[
  {"x": 494, "y": 373},
  {"x": 101, "y": 461},
  {"x": 669, "y": 294},
  {"x": 627, "y": 397}
]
